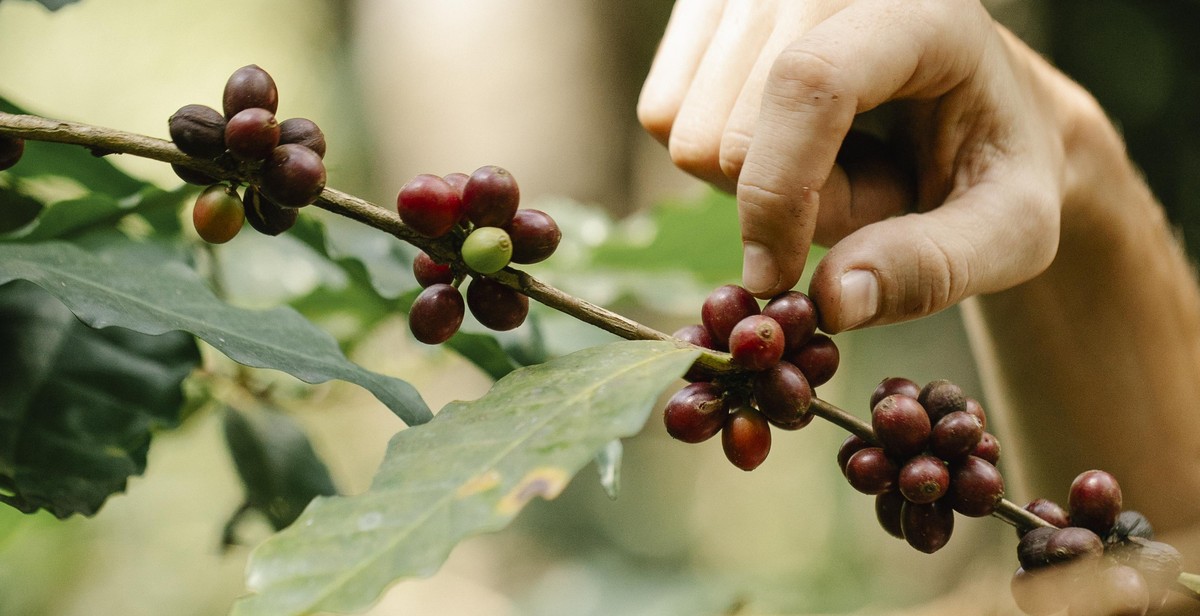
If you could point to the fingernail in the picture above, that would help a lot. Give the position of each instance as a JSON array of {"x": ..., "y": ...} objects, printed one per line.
[
  {"x": 860, "y": 297},
  {"x": 759, "y": 271}
]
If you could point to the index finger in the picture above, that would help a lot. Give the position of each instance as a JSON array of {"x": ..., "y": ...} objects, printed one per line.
[{"x": 870, "y": 52}]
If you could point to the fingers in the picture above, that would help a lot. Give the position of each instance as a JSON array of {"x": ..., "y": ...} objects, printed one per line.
[
  {"x": 852, "y": 62},
  {"x": 691, "y": 27},
  {"x": 991, "y": 237}
]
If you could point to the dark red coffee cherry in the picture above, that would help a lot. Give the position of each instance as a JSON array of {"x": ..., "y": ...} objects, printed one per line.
[
  {"x": 699, "y": 336},
  {"x": 927, "y": 527},
  {"x": 974, "y": 408},
  {"x": 895, "y": 385},
  {"x": 1073, "y": 544},
  {"x": 496, "y": 306},
  {"x": 429, "y": 272},
  {"x": 429, "y": 205},
  {"x": 191, "y": 176},
  {"x": 535, "y": 236},
  {"x": 252, "y": 134},
  {"x": 491, "y": 197},
  {"x": 1049, "y": 511},
  {"x": 746, "y": 438},
  {"x": 818, "y": 359},
  {"x": 1094, "y": 501},
  {"x": 783, "y": 395},
  {"x": 696, "y": 413},
  {"x": 248, "y": 87},
  {"x": 266, "y": 216},
  {"x": 11, "y": 150},
  {"x": 852, "y": 445},
  {"x": 1031, "y": 549},
  {"x": 724, "y": 308},
  {"x": 940, "y": 398},
  {"x": 901, "y": 426},
  {"x": 976, "y": 487},
  {"x": 436, "y": 314},
  {"x": 888, "y": 507},
  {"x": 924, "y": 479},
  {"x": 870, "y": 471},
  {"x": 955, "y": 436},
  {"x": 218, "y": 214},
  {"x": 293, "y": 176},
  {"x": 198, "y": 130},
  {"x": 796, "y": 314},
  {"x": 756, "y": 343},
  {"x": 458, "y": 181},
  {"x": 302, "y": 131},
  {"x": 988, "y": 449}
]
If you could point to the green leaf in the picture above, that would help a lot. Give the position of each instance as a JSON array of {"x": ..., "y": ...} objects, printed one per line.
[
  {"x": 484, "y": 351},
  {"x": 17, "y": 210},
  {"x": 470, "y": 470},
  {"x": 1189, "y": 585},
  {"x": 112, "y": 289},
  {"x": 80, "y": 404},
  {"x": 277, "y": 464},
  {"x": 98, "y": 211}
]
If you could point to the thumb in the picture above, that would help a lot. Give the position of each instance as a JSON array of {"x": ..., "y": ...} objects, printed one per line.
[{"x": 989, "y": 238}]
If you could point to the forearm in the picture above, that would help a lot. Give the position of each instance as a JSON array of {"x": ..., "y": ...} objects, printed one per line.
[{"x": 1097, "y": 360}]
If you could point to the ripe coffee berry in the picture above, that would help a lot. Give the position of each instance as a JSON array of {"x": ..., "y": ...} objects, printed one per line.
[
  {"x": 1073, "y": 544},
  {"x": 487, "y": 250},
  {"x": 818, "y": 359},
  {"x": 191, "y": 176},
  {"x": 870, "y": 471},
  {"x": 895, "y": 385},
  {"x": 988, "y": 449},
  {"x": 429, "y": 205},
  {"x": 924, "y": 479},
  {"x": 955, "y": 436},
  {"x": 756, "y": 342},
  {"x": 198, "y": 130},
  {"x": 1095, "y": 501},
  {"x": 1049, "y": 511},
  {"x": 252, "y": 134},
  {"x": 852, "y": 445},
  {"x": 724, "y": 308},
  {"x": 458, "y": 181},
  {"x": 699, "y": 336},
  {"x": 976, "y": 487},
  {"x": 746, "y": 438},
  {"x": 429, "y": 272},
  {"x": 293, "y": 176},
  {"x": 940, "y": 398},
  {"x": 783, "y": 396},
  {"x": 927, "y": 527},
  {"x": 1031, "y": 549},
  {"x": 975, "y": 409},
  {"x": 436, "y": 314},
  {"x": 218, "y": 214},
  {"x": 11, "y": 150},
  {"x": 535, "y": 236},
  {"x": 695, "y": 413},
  {"x": 496, "y": 306},
  {"x": 888, "y": 508},
  {"x": 249, "y": 86},
  {"x": 266, "y": 216},
  {"x": 491, "y": 197},
  {"x": 302, "y": 131},
  {"x": 901, "y": 426},
  {"x": 796, "y": 314}
]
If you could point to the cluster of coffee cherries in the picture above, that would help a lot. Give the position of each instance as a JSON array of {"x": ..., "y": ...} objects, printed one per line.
[
  {"x": 781, "y": 358},
  {"x": 1096, "y": 560},
  {"x": 481, "y": 213},
  {"x": 933, "y": 457},
  {"x": 283, "y": 159},
  {"x": 11, "y": 150}
]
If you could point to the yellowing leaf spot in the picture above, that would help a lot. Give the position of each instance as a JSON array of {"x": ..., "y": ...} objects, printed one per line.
[
  {"x": 546, "y": 482},
  {"x": 480, "y": 483}
]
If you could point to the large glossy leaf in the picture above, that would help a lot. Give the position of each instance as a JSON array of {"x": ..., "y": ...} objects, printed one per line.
[
  {"x": 113, "y": 289},
  {"x": 79, "y": 404},
  {"x": 470, "y": 470}
]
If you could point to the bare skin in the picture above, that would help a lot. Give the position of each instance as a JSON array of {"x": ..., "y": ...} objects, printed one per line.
[{"x": 1084, "y": 311}]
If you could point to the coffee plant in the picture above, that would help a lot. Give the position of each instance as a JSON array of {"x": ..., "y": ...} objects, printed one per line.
[{"x": 87, "y": 300}]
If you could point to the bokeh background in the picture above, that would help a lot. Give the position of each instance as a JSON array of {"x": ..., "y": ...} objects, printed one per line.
[{"x": 546, "y": 89}]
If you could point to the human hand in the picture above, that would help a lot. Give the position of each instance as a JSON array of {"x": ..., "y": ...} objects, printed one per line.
[{"x": 758, "y": 96}]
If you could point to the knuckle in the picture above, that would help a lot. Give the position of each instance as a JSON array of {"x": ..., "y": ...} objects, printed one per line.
[
  {"x": 693, "y": 152},
  {"x": 656, "y": 117},
  {"x": 805, "y": 76},
  {"x": 734, "y": 145}
]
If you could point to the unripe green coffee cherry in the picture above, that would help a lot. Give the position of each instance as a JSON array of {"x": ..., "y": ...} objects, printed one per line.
[{"x": 487, "y": 250}]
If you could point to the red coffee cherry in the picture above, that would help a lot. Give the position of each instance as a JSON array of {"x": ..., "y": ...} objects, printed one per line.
[
  {"x": 976, "y": 487},
  {"x": 303, "y": 131},
  {"x": 535, "y": 236},
  {"x": 955, "y": 436},
  {"x": 924, "y": 479},
  {"x": 1049, "y": 511},
  {"x": 293, "y": 176},
  {"x": 988, "y": 448},
  {"x": 756, "y": 343},
  {"x": 491, "y": 197},
  {"x": 1095, "y": 501},
  {"x": 198, "y": 130},
  {"x": 796, "y": 314},
  {"x": 724, "y": 308},
  {"x": 218, "y": 214},
  {"x": 888, "y": 508},
  {"x": 429, "y": 272},
  {"x": 818, "y": 359},
  {"x": 249, "y": 86},
  {"x": 940, "y": 398},
  {"x": 927, "y": 527},
  {"x": 496, "y": 306},
  {"x": 429, "y": 205},
  {"x": 266, "y": 216},
  {"x": 852, "y": 445},
  {"x": 783, "y": 395},
  {"x": 746, "y": 438},
  {"x": 252, "y": 134},
  {"x": 436, "y": 314},
  {"x": 696, "y": 413},
  {"x": 870, "y": 471},
  {"x": 895, "y": 385},
  {"x": 901, "y": 426}
]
